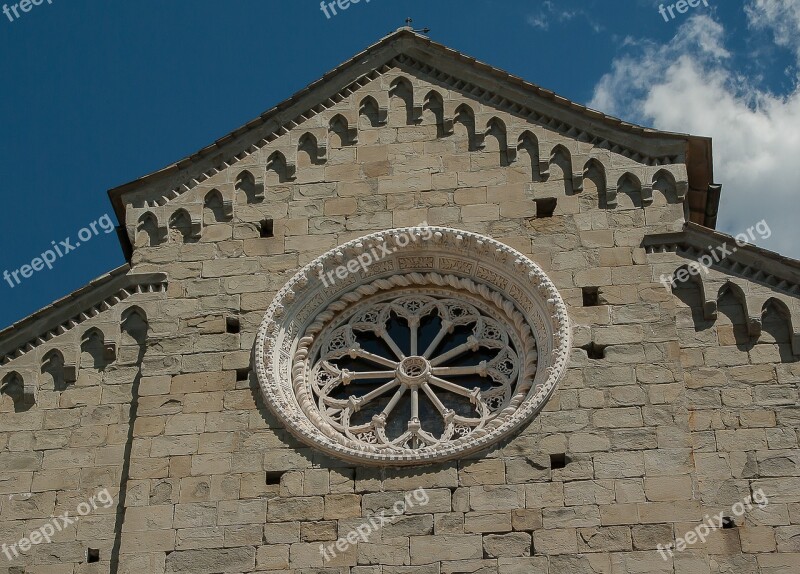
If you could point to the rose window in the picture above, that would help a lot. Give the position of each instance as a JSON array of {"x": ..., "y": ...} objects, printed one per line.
[
  {"x": 441, "y": 348},
  {"x": 415, "y": 370}
]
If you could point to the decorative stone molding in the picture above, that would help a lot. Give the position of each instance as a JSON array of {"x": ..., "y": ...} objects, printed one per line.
[
  {"x": 65, "y": 315},
  {"x": 502, "y": 92},
  {"x": 448, "y": 344}
]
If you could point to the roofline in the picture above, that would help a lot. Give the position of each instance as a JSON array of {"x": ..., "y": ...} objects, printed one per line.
[
  {"x": 699, "y": 148},
  {"x": 704, "y": 239},
  {"x": 63, "y": 310}
]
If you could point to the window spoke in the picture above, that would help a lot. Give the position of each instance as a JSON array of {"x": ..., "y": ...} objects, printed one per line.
[
  {"x": 376, "y": 358},
  {"x": 470, "y": 345},
  {"x": 377, "y": 392},
  {"x": 452, "y": 387}
]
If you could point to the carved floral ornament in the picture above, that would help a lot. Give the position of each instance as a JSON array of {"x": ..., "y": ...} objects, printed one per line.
[{"x": 445, "y": 346}]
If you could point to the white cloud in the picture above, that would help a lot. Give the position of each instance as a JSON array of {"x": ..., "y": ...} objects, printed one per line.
[
  {"x": 557, "y": 14},
  {"x": 782, "y": 17},
  {"x": 689, "y": 86},
  {"x": 539, "y": 21}
]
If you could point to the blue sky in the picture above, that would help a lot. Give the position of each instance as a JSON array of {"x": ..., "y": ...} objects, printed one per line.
[{"x": 97, "y": 94}]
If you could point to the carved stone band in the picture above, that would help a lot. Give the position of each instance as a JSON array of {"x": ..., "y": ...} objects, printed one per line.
[{"x": 444, "y": 347}]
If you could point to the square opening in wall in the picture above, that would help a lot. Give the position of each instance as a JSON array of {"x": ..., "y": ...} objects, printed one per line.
[
  {"x": 728, "y": 522},
  {"x": 267, "y": 228},
  {"x": 242, "y": 375},
  {"x": 591, "y": 296},
  {"x": 232, "y": 325},
  {"x": 558, "y": 460},
  {"x": 92, "y": 555},
  {"x": 594, "y": 351},
  {"x": 545, "y": 207},
  {"x": 273, "y": 477}
]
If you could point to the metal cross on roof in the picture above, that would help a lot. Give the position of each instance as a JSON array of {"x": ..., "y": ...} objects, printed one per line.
[{"x": 410, "y": 21}]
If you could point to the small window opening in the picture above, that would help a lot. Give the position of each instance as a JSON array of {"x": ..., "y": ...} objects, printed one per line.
[
  {"x": 274, "y": 477},
  {"x": 595, "y": 351},
  {"x": 242, "y": 375},
  {"x": 267, "y": 228},
  {"x": 93, "y": 555},
  {"x": 728, "y": 522},
  {"x": 558, "y": 460},
  {"x": 232, "y": 325},
  {"x": 591, "y": 296},
  {"x": 545, "y": 207}
]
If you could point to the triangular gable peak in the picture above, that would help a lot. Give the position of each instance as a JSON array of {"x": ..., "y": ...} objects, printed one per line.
[{"x": 425, "y": 78}]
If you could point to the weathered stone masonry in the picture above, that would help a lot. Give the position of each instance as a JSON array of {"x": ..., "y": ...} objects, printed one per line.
[{"x": 675, "y": 404}]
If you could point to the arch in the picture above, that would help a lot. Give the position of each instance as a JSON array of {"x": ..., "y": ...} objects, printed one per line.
[
  {"x": 134, "y": 326},
  {"x": 246, "y": 183},
  {"x": 664, "y": 184},
  {"x": 687, "y": 286},
  {"x": 244, "y": 180},
  {"x": 594, "y": 181},
  {"x": 465, "y": 118},
  {"x": 401, "y": 103},
  {"x": 53, "y": 369},
  {"x": 729, "y": 289},
  {"x": 732, "y": 306},
  {"x": 340, "y": 133},
  {"x": 370, "y": 113},
  {"x": 776, "y": 320},
  {"x": 13, "y": 386},
  {"x": 94, "y": 352},
  {"x": 529, "y": 143},
  {"x": 147, "y": 234},
  {"x": 434, "y": 106},
  {"x": 629, "y": 191},
  {"x": 496, "y": 132},
  {"x": 561, "y": 167},
  {"x": 308, "y": 152},
  {"x": 180, "y": 227},
  {"x": 278, "y": 164},
  {"x": 213, "y": 208}
]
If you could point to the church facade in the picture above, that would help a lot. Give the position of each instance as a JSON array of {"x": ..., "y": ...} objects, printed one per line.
[{"x": 423, "y": 317}]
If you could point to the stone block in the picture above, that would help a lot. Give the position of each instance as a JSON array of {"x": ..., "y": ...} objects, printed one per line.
[
  {"x": 299, "y": 508},
  {"x": 273, "y": 557},
  {"x": 342, "y": 506},
  {"x": 211, "y": 561},
  {"x": 548, "y": 494},
  {"x": 555, "y": 541},
  {"x": 507, "y": 545},
  {"x": 427, "y": 549},
  {"x": 482, "y": 472},
  {"x": 318, "y": 531},
  {"x": 491, "y": 521},
  {"x": 526, "y": 519},
  {"x": 507, "y": 497}
]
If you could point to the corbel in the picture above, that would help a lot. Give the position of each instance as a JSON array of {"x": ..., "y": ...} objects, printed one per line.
[
  {"x": 611, "y": 196},
  {"x": 647, "y": 194},
  {"x": 227, "y": 208},
  {"x": 71, "y": 366}
]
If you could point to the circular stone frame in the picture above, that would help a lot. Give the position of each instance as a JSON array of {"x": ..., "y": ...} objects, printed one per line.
[{"x": 403, "y": 259}]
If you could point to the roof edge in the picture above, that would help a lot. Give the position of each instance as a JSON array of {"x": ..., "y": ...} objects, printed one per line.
[
  {"x": 753, "y": 257},
  {"x": 63, "y": 311},
  {"x": 698, "y": 147}
]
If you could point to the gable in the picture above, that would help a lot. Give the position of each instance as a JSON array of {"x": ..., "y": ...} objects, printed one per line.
[{"x": 527, "y": 122}]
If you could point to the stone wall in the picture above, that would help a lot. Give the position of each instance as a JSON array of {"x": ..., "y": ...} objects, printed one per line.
[{"x": 663, "y": 417}]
